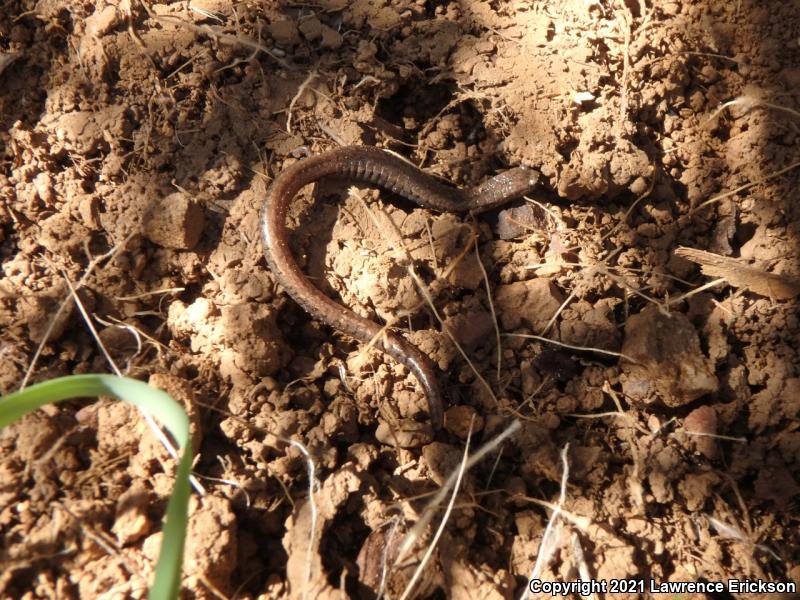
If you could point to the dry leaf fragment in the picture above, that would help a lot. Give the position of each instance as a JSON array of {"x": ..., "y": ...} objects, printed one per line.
[{"x": 742, "y": 275}]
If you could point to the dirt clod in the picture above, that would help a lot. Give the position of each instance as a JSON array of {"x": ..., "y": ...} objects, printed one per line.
[
  {"x": 175, "y": 222},
  {"x": 531, "y": 303},
  {"x": 461, "y": 420},
  {"x": 404, "y": 434}
]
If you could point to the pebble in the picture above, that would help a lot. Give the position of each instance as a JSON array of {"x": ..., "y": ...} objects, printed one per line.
[{"x": 174, "y": 222}]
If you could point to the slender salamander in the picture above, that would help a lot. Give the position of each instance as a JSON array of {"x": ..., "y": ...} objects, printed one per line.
[{"x": 368, "y": 165}]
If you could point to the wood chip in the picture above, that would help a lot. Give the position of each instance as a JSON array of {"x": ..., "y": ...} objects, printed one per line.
[{"x": 743, "y": 275}]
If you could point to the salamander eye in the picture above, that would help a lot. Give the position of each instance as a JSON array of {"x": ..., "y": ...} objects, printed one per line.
[{"x": 531, "y": 174}]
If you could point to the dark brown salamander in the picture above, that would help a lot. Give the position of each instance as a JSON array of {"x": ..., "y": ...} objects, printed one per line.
[{"x": 367, "y": 165}]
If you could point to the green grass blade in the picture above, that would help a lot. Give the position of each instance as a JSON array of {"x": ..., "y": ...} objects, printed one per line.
[{"x": 163, "y": 408}]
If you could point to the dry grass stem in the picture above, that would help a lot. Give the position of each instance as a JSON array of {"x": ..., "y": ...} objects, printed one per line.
[
  {"x": 571, "y": 346},
  {"x": 229, "y": 482},
  {"x": 748, "y": 103},
  {"x": 224, "y": 38},
  {"x": 491, "y": 310},
  {"x": 493, "y": 469},
  {"x": 313, "y": 486},
  {"x": 290, "y": 111},
  {"x": 555, "y": 217},
  {"x": 426, "y": 294},
  {"x": 427, "y": 514},
  {"x": 555, "y": 316},
  {"x": 456, "y": 486},
  {"x": 214, "y": 591},
  {"x": 584, "y": 265},
  {"x": 619, "y": 280},
  {"x": 734, "y": 533},
  {"x": 67, "y": 302},
  {"x": 385, "y": 557},
  {"x": 130, "y": 329},
  {"x": 151, "y": 293},
  {"x": 580, "y": 560},
  {"x": 388, "y": 225},
  {"x": 549, "y": 539},
  {"x": 746, "y": 186},
  {"x": 136, "y": 331},
  {"x": 631, "y": 208},
  {"x": 429, "y": 232},
  {"x": 716, "y": 436},
  {"x": 618, "y": 414},
  {"x": 702, "y": 288},
  {"x": 207, "y": 14},
  {"x": 151, "y": 422},
  {"x": 743, "y": 275},
  {"x": 626, "y": 67}
]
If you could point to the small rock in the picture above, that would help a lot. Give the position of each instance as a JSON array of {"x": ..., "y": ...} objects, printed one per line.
[
  {"x": 88, "y": 208},
  {"x": 285, "y": 33},
  {"x": 311, "y": 29},
  {"x": 591, "y": 325},
  {"x": 174, "y": 222},
  {"x": 696, "y": 488},
  {"x": 654, "y": 423},
  {"x": 404, "y": 434},
  {"x": 211, "y": 540},
  {"x": 531, "y": 303},
  {"x": 703, "y": 421},
  {"x": 79, "y": 130},
  {"x": 331, "y": 38},
  {"x": 379, "y": 546},
  {"x": 668, "y": 357},
  {"x": 556, "y": 363},
  {"x": 38, "y": 311},
  {"x": 518, "y": 220},
  {"x": 132, "y": 522},
  {"x": 44, "y": 187},
  {"x": 639, "y": 186},
  {"x": 457, "y": 420},
  {"x": 697, "y": 101},
  {"x": 583, "y": 460},
  {"x": 583, "y": 99},
  {"x": 790, "y": 398},
  {"x": 671, "y": 8},
  {"x": 528, "y": 523},
  {"x": 776, "y": 483},
  {"x": 472, "y": 330},
  {"x": 530, "y": 377},
  {"x": 442, "y": 459},
  {"x": 362, "y": 455},
  {"x": 103, "y": 21}
]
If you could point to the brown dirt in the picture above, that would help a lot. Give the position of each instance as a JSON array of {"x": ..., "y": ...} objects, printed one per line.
[{"x": 154, "y": 133}]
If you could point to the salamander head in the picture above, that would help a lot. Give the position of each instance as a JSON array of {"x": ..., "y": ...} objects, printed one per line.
[
  {"x": 503, "y": 188},
  {"x": 533, "y": 176}
]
